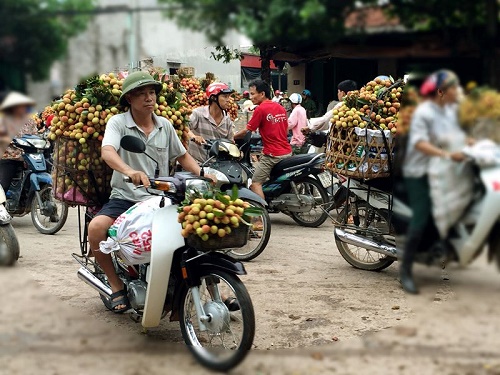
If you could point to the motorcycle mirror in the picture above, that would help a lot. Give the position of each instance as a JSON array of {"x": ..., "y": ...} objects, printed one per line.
[
  {"x": 137, "y": 146},
  {"x": 214, "y": 150},
  {"x": 133, "y": 144}
]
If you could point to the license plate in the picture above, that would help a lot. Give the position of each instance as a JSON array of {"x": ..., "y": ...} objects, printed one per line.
[{"x": 326, "y": 179}]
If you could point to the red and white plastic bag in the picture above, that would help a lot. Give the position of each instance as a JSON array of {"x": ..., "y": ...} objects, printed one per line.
[{"x": 131, "y": 234}]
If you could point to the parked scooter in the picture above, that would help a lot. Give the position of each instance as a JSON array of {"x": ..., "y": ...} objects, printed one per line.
[
  {"x": 191, "y": 284},
  {"x": 31, "y": 187},
  {"x": 297, "y": 185},
  {"x": 9, "y": 246},
  {"x": 376, "y": 220}
]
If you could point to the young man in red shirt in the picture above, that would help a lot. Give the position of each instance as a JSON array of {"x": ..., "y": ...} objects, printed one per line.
[{"x": 271, "y": 120}]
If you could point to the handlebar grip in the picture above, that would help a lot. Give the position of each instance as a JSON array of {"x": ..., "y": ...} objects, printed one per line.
[{"x": 127, "y": 179}]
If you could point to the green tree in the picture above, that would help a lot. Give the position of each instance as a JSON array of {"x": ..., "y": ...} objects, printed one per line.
[
  {"x": 35, "y": 33},
  {"x": 272, "y": 25},
  {"x": 471, "y": 22}
]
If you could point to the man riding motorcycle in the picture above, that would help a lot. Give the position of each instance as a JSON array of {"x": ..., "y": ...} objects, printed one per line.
[{"x": 162, "y": 143}]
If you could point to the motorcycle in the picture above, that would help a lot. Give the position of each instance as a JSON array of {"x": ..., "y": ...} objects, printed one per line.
[
  {"x": 191, "y": 284},
  {"x": 9, "y": 246},
  {"x": 222, "y": 163},
  {"x": 370, "y": 232},
  {"x": 297, "y": 185},
  {"x": 31, "y": 188}
]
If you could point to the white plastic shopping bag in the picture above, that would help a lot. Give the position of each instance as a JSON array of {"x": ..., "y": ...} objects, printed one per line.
[
  {"x": 451, "y": 190},
  {"x": 131, "y": 234}
]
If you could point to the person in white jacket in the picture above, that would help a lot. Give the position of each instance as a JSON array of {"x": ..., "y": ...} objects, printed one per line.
[{"x": 323, "y": 122}]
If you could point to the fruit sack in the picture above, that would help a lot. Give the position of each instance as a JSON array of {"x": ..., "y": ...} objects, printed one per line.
[
  {"x": 79, "y": 175},
  {"x": 131, "y": 234},
  {"x": 216, "y": 221},
  {"x": 360, "y": 152}
]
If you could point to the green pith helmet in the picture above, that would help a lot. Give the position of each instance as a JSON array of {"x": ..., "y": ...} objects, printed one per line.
[{"x": 136, "y": 80}]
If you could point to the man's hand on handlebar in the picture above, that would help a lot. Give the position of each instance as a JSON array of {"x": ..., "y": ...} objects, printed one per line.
[
  {"x": 198, "y": 139},
  {"x": 139, "y": 178}
]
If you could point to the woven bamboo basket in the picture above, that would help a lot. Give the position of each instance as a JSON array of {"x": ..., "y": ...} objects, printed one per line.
[
  {"x": 360, "y": 153},
  {"x": 80, "y": 176}
]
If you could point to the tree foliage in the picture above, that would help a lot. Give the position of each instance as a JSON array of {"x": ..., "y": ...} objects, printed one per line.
[
  {"x": 272, "y": 25},
  {"x": 35, "y": 33}
]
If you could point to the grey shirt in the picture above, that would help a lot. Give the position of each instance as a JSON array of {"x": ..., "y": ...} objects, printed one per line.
[
  {"x": 162, "y": 144},
  {"x": 434, "y": 124},
  {"x": 203, "y": 124}
]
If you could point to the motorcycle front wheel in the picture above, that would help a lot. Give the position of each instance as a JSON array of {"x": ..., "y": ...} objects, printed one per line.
[
  {"x": 318, "y": 213},
  {"x": 258, "y": 237},
  {"x": 51, "y": 217},
  {"x": 9, "y": 246},
  {"x": 229, "y": 330}
]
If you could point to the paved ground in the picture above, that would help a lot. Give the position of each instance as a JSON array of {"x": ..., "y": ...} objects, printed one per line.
[{"x": 315, "y": 315}]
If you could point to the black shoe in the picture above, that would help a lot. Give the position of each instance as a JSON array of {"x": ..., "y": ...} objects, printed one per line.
[{"x": 407, "y": 282}]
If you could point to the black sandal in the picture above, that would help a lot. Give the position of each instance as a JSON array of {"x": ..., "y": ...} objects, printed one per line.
[
  {"x": 120, "y": 301},
  {"x": 232, "y": 304}
]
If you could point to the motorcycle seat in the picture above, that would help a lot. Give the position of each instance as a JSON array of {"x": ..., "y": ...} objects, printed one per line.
[{"x": 293, "y": 163}]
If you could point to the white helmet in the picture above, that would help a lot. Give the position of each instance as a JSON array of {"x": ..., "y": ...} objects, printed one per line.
[{"x": 296, "y": 98}]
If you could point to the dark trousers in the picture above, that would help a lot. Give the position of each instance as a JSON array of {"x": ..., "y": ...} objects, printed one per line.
[
  {"x": 420, "y": 202},
  {"x": 8, "y": 169}
]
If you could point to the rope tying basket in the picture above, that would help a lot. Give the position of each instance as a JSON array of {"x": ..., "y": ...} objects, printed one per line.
[
  {"x": 80, "y": 176},
  {"x": 360, "y": 153}
]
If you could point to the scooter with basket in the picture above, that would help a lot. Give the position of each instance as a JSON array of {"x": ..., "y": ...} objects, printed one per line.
[{"x": 186, "y": 277}]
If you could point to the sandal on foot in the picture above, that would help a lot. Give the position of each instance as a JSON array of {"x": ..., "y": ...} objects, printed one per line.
[
  {"x": 120, "y": 301},
  {"x": 232, "y": 304}
]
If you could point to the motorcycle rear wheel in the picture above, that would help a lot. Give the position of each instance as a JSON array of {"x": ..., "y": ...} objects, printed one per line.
[
  {"x": 258, "y": 238},
  {"x": 359, "y": 257},
  {"x": 9, "y": 245},
  {"x": 230, "y": 334},
  {"x": 48, "y": 224},
  {"x": 308, "y": 219}
]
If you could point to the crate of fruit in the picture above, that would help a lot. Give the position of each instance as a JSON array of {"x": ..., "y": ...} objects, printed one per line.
[
  {"x": 360, "y": 153},
  {"x": 79, "y": 175},
  {"x": 215, "y": 221}
]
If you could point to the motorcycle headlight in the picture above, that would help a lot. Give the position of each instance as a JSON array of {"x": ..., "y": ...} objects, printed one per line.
[{"x": 197, "y": 185}]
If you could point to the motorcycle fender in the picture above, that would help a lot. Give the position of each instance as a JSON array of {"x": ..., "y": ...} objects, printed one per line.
[
  {"x": 166, "y": 239},
  {"x": 199, "y": 266},
  {"x": 5, "y": 218},
  {"x": 38, "y": 179},
  {"x": 3, "y": 198},
  {"x": 245, "y": 193}
]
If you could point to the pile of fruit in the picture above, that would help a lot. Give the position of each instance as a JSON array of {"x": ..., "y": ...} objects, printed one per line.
[
  {"x": 374, "y": 106},
  {"x": 83, "y": 113},
  {"x": 214, "y": 215},
  {"x": 360, "y": 139},
  {"x": 480, "y": 104},
  {"x": 479, "y": 114},
  {"x": 211, "y": 217}
]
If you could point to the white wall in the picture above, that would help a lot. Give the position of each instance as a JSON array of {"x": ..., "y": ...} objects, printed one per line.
[{"x": 106, "y": 46}]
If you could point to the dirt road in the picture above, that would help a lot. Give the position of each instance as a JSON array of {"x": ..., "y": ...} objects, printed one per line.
[{"x": 315, "y": 315}]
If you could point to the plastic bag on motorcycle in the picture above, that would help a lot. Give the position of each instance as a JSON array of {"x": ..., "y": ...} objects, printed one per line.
[{"x": 130, "y": 234}]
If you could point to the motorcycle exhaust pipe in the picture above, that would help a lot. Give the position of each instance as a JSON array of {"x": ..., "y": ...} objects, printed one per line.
[
  {"x": 89, "y": 278},
  {"x": 368, "y": 244}
]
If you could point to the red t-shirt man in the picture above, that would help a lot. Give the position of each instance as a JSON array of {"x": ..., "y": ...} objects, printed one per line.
[{"x": 271, "y": 120}]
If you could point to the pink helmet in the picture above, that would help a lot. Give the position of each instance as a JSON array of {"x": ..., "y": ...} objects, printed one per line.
[
  {"x": 277, "y": 92},
  {"x": 217, "y": 88},
  {"x": 246, "y": 94}
]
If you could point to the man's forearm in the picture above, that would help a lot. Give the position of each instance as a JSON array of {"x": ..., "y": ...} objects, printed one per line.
[
  {"x": 241, "y": 133},
  {"x": 189, "y": 164},
  {"x": 115, "y": 162}
]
